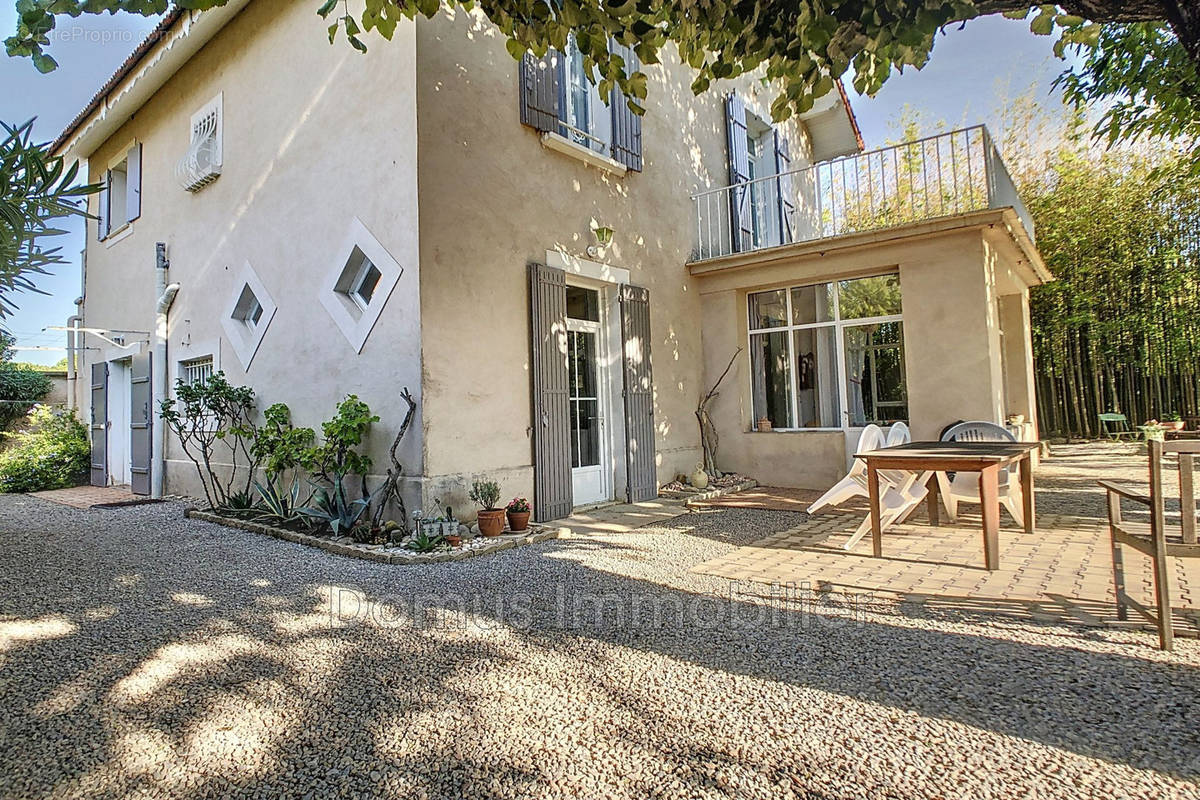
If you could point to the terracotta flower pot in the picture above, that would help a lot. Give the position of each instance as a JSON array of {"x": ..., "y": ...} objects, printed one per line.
[
  {"x": 491, "y": 521},
  {"x": 454, "y": 539},
  {"x": 518, "y": 520}
]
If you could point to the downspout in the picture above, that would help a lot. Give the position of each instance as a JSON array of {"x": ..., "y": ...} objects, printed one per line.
[
  {"x": 166, "y": 296},
  {"x": 72, "y": 354}
]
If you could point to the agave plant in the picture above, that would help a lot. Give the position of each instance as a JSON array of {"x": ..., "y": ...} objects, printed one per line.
[
  {"x": 277, "y": 506},
  {"x": 333, "y": 508}
]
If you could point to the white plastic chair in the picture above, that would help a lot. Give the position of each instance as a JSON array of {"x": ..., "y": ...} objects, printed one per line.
[
  {"x": 964, "y": 486},
  {"x": 855, "y": 482},
  {"x": 901, "y": 492}
]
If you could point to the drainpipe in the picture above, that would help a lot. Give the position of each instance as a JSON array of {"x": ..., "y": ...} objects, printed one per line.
[
  {"x": 72, "y": 354},
  {"x": 166, "y": 296}
]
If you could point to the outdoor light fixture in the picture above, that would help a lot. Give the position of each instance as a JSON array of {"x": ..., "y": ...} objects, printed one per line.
[{"x": 604, "y": 237}]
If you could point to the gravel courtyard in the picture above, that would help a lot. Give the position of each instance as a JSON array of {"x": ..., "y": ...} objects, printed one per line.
[{"x": 147, "y": 655}]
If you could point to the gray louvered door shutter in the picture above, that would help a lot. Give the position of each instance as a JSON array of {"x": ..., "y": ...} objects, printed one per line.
[
  {"x": 141, "y": 422},
  {"x": 552, "y": 497},
  {"x": 639, "y": 394},
  {"x": 540, "y": 89},
  {"x": 99, "y": 425},
  {"x": 102, "y": 226},
  {"x": 133, "y": 186},
  {"x": 741, "y": 225},
  {"x": 626, "y": 125},
  {"x": 787, "y": 196}
]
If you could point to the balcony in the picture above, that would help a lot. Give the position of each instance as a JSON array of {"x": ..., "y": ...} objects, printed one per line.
[{"x": 938, "y": 176}]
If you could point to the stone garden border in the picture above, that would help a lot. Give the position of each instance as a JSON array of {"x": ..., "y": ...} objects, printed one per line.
[{"x": 384, "y": 554}]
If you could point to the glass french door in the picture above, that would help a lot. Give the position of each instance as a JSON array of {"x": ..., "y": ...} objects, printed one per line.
[{"x": 588, "y": 468}]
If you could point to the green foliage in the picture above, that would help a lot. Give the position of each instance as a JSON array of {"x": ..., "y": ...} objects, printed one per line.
[
  {"x": 1119, "y": 330},
  {"x": 214, "y": 421},
  {"x": 337, "y": 456},
  {"x": 21, "y": 387},
  {"x": 36, "y": 190},
  {"x": 332, "y": 506},
  {"x": 801, "y": 46},
  {"x": 53, "y": 453},
  {"x": 485, "y": 493},
  {"x": 423, "y": 543},
  {"x": 279, "y": 507},
  {"x": 1147, "y": 86},
  {"x": 278, "y": 445}
]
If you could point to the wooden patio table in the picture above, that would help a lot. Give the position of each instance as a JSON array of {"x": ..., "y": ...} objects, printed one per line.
[{"x": 986, "y": 458}]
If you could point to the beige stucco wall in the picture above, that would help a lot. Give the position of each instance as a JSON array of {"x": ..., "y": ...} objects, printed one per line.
[
  {"x": 493, "y": 199},
  {"x": 950, "y": 278},
  {"x": 314, "y": 137}
]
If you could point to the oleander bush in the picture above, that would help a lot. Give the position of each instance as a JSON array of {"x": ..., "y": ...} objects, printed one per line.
[{"x": 51, "y": 453}]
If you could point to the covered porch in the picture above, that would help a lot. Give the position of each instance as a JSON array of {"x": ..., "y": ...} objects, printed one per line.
[{"x": 887, "y": 286}]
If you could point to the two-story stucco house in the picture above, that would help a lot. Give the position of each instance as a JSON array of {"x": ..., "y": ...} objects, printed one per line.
[{"x": 556, "y": 279}]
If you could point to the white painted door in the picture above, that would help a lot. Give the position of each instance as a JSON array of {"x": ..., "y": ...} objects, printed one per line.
[
  {"x": 118, "y": 423},
  {"x": 590, "y": 457}
]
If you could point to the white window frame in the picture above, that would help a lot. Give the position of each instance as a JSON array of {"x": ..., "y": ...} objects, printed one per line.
[
  {"x": 201, "y": 363},
  {"x": 245, "y": 337},
  {"x": 838, "y": 324},
  {"x": 356, "y": 285},
  {"x": 337, "y": 294}
]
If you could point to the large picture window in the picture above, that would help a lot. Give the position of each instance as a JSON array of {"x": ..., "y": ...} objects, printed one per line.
[{"x": 829, "y": 354}]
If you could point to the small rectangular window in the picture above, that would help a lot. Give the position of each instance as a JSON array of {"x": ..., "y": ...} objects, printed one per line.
[
  {"x": 196, "y": 370},
  {"x": 201, "y": 163},
  {"x": 365, "y": 282},
  {"x": 248, "y": 310}
]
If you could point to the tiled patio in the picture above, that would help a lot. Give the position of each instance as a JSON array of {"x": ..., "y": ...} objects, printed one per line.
[
  {"x": 85, "y": 497},
  {"x": 1062, "y": 572}
]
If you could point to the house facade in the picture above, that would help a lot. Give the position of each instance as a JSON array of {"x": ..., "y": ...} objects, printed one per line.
[{"x": 556, "y": 279}]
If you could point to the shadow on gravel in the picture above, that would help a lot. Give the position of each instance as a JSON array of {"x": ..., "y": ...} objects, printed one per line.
[{"x": 252, "y": 664}]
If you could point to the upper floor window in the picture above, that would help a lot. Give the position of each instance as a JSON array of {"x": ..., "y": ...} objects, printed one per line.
[
  {"x": 201, "y": 164},
  {"x": 762, "y": 197},
  {"x": 828, "y": 355},
  {"x": 121, "y": 198},
  {"x": 557, "y": 98}
]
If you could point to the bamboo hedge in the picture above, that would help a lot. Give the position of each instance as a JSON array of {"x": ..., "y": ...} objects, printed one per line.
[{"x": 1119, "y": 330}]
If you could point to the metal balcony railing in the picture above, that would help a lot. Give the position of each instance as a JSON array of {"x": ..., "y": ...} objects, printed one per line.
[{"x": 942, "y": 175}]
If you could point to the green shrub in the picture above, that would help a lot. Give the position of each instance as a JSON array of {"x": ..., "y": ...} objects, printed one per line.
[
  {"x": 53, "y": 453},
  {"x": 21, "y": 386}
]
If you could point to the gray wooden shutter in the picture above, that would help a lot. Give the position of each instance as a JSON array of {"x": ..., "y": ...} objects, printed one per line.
[
  {"x": 736, "y": 131},
  {"x": 102, "y": 225},
  {"x": 99, "y": 424},
  {"x": 133, "y": 184},
  {"x": 552, "y": 497},
  {"x": 787, "y": 197},
  {"x": 540, "y": 89},
  {"x": 626, "y": 125},
  {"x": 141, "y": 422},
  {"x": 640, "y": 468}
]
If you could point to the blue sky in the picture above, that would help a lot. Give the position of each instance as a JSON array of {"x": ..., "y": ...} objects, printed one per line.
[{"x": 971, "y": 71}]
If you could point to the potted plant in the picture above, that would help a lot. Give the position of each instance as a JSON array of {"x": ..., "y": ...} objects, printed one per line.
[
  {"x": 1172, "y": 421},
  {"x": 518, "y": 514},
  {"x": 491, "y": 519}
]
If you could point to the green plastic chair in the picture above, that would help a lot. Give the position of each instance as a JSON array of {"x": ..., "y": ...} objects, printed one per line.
[{"x": 1116, "y": 427}]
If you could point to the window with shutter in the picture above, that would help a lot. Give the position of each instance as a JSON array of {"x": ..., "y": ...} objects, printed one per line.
[
  {"x": 558, "y": 98},
  {"x": 761, "y": 203},
  {"x": 121, "y": 198}
]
